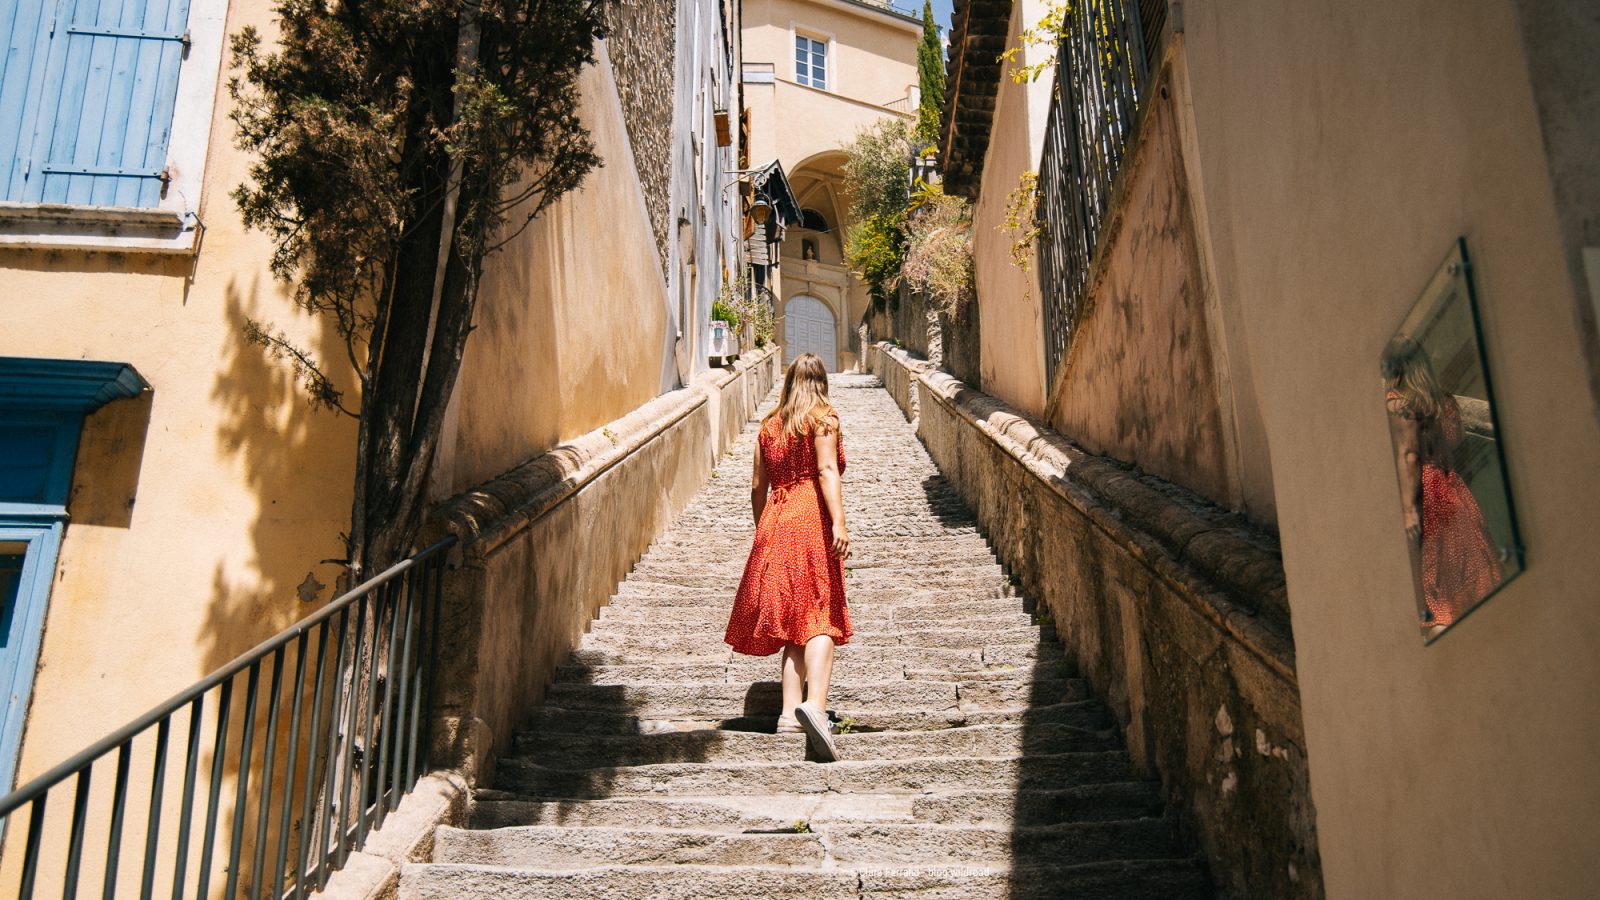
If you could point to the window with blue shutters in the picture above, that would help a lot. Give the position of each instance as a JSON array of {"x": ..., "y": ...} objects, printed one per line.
[{"x": 87, "y": 92}]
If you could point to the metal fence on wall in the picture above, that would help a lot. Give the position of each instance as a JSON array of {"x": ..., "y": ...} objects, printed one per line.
[
  {"x": 259, "y": 780},
  {"x": 1102, "y": 72}
]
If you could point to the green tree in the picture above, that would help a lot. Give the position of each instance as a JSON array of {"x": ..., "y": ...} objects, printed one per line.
[
  {"x": 398, "y": 143},
  {"x": 930, "y": 79},
  {"x": 877, "y": 172}
]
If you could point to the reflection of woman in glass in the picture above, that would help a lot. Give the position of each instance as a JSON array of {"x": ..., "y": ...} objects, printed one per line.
[{"x": 1459, "y": 565}]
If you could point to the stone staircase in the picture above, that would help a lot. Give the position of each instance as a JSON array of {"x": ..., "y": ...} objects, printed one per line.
[{"x": 974, "y": 764}]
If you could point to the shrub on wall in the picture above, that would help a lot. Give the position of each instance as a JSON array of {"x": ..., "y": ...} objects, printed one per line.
[{"x": 938, "y": 259}]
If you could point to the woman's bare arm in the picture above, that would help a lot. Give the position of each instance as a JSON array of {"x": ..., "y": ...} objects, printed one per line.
[
  {"x": 827, "y": 445},
  {"x": 1407, "y": 446},
  {"x": 758, "y": 486}
]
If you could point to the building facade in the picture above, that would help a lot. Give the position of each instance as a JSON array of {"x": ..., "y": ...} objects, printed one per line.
[
  {"x": 168, "y": 498},
  {"x": 816, "y": 72},
  {"x": 1255, "y": 211}
]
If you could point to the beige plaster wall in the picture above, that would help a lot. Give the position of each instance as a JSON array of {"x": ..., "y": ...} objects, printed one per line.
[
  {"x": 546, "y": 544},
  {"x": 1344, "y": 146},
  {"x": 1011, "y": 323},
  {"x": 1138, "y": 382},
  {"x": 573, "y": 319},
  {"x": 873, "y": 63}
]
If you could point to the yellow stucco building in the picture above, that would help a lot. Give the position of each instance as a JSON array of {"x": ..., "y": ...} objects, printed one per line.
[
  {"x": 816, "y": 72},
  {"x": 168, "y": 498}
]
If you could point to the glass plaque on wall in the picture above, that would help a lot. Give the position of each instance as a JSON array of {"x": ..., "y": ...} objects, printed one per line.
[{"x": 1455, "y": 501}]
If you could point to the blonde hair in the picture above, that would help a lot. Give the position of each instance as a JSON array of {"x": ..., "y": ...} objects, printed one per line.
[{"x": 803, "y": 407}]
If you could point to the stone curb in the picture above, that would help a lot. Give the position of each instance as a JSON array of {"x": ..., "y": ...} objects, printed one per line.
[
  {"x": 1173, "y": 532},
  {"x": 373, "y": 872}
]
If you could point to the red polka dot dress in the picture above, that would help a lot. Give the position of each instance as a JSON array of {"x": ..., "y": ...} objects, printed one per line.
[{"x": 793, "y": 586}]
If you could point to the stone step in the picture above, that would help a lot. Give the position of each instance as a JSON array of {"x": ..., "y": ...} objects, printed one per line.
[
  {"x": 1166, "y": 879},
  {"x": 774, "y": 812},
  {"x": 745, "y": 670},
  {"x": 836, "y": 843},
  {"x": 645, "y": 637},
  {"x": 727, "y": 579},
  {"x": 565, "y": 750},
  {"x": 662, "y": 594},
  {"x": 1083, "y": 714},
  {"x": 865, "y": 617},
  {"x": 845, "y": 777},
  {"x": 988, "y": 657},
  {"x": 722, "y": 699}
]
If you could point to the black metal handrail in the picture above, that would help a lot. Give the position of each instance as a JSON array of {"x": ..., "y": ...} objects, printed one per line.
[
  {"x": 1101, "y": 78},
  {"x": 363, "y": 749}
]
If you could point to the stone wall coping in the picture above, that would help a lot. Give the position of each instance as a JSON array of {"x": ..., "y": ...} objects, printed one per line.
[
  {"x": 406, "y": 836},
  {"x": 487, "y": 516},
  {"x": 1199, "y": 549}
]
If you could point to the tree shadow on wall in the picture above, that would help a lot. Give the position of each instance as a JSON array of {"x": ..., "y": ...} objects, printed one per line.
[{"x": 297, "y": 464}]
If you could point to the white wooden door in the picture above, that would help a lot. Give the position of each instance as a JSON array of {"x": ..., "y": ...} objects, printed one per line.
[{"x": 808, "y": 327}]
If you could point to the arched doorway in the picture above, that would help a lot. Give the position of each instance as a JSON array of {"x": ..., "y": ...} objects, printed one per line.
[{"x": 808, "y": 327}]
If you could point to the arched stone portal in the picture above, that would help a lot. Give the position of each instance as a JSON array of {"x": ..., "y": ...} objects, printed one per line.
[{"x": 809, "y": 326}]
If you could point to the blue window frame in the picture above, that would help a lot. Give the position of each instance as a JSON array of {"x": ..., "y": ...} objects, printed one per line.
[
  {"x": 811, "y": 62},
  {"x": 42, "y": 405},
  {"x": 87, "y": 91}
]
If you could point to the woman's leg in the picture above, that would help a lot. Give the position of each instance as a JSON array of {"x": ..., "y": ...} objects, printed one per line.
[
  {"x": 793, "y": 678},
  {"x": 817, "y": 670}
]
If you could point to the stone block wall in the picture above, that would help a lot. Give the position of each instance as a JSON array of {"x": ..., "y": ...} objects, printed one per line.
[
  {"x": 545, "y": 545},
  {"x": 1173, "y": 608},
  {"x": 641, "y": 39}
]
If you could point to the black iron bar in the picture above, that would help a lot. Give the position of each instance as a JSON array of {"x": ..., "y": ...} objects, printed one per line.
[
  {"x": 380, "y": 807},
  {"x": 119, "y": 806},
  {"x": 30, "y": 854},
  {"x": 368, "y": 723},
  {"x": 430, "y": 662},
  {"x": 80, "y": 813},
  {"x": 404, "y": 716},
  {"x": 346, "y": 751},
  {"x": 180, "y": 867},
  {"x": 247, "y": 742},
  {"x": 158, "y": 785},
  {"x": 218, "y": 761},
  {"x": 325, "y": 806},
  {"x": 269, "y": 758},
  {"x": 280, "y": 859}
]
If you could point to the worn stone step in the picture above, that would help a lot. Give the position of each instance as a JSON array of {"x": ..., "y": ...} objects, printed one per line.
[
  {"x": 640, "y": 636},
  {"x": 954, "y": 579},
  {"x": 1044, "y": 647},
  {"x": 561, "y": 847},
  {"x": 723, "y": 699},
  {"x": 839, "y": 843},
  {"x": 775, "y": 812},
  {"x": 1167, "y": 879},
  {"x": 559, "y": 750},
  {"x": 1084, "y": 714},
  {"x": 845, "y": 777},
  {"x": 662, "y": 593},
  {"x": 863, "y": 616},
  {"x": 739, "y": 813},
  {"x": 745, "y": 670},
  {"x": 1004, "y": 808}
]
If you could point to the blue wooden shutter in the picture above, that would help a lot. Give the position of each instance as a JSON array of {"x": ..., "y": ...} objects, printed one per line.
[
  {"x": 25, "y": 29},
  {"x": 103, "y": 117}
]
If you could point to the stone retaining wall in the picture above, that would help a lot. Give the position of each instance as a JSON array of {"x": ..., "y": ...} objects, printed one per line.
[
  {"x": 1174, "y": 609},
  {"x": 544, "y": 546}
]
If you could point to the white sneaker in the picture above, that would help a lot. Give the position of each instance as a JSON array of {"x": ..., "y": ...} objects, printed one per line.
[
  {"x": 818, "y": 730},
  {"x": 788, "y": 725}
]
